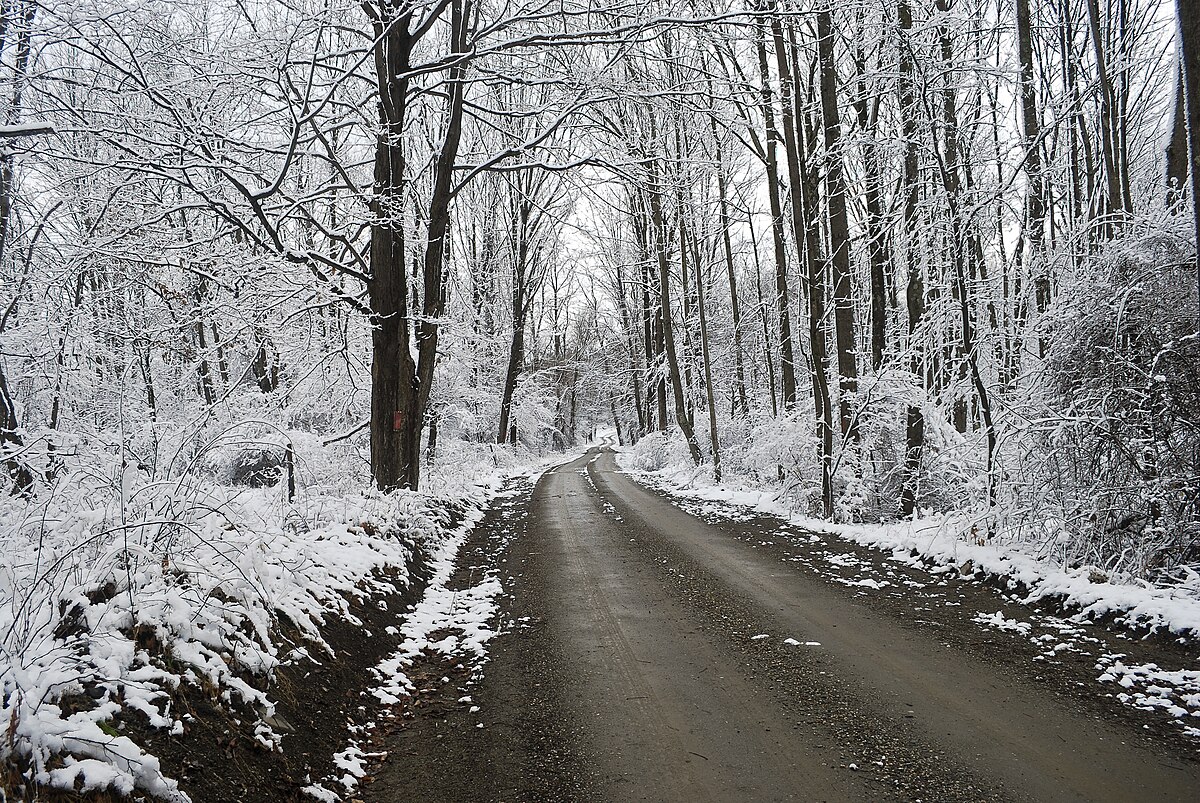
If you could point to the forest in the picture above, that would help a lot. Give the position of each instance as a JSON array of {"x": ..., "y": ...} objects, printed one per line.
[{"x": 270, "y": 267}]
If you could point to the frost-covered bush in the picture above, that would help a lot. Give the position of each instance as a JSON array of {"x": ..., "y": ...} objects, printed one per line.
[
  {"x": 783, "y": 451},
  {"x": 651, "y": 452},
  {"x": 1122, "y": 433},
  {"x": 138, "y": 568},
  {"x": 533, "y": 411}
]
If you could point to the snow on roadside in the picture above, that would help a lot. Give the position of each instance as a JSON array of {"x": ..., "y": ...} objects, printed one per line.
[
  {"x": 952, "y": 541},
  {"x": 455, "y": 623},
  {"x": 116, "y": 590},
  {"x": 948, "y": 546},
  {"x": 107, "y": 620}
]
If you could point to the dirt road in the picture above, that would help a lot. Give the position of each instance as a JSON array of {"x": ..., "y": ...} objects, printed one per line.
[{"x": 652, "y": 655}]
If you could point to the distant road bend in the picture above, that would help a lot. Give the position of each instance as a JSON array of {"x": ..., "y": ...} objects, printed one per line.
[{"x": 631, "y": 671}]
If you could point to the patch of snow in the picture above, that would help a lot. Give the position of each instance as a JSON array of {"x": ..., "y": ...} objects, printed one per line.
[
  {"x": 320, "y": 793},
  {"x": 1000, "y": 622},
  {"x": 1175, "y": 692}
]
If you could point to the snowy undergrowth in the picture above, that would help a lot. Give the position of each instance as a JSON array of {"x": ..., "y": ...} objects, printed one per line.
[
  {"x": 953, "y": 540},
  {"x": 116, "y": 589}
]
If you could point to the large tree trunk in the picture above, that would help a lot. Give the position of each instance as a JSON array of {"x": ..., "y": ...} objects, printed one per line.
[
  {"x": 915, "y": 293},
  {"x": 654, "y": 197},
  {"x": 839, "y": 228},
  {"x": 1189, "y": 45},
  {"x": 394, "y": 456},
  {"x": 787, "y": 365},
  {"x": 400, "y": 386}
]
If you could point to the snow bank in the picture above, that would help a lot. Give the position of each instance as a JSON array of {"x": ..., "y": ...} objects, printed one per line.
[
  {"x": 115, "y": 589},
  {"x": 463, "y": 619},
  {"x": 953, "y": 540}
]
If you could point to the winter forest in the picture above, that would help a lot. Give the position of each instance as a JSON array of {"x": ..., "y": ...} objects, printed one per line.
[{"x": 289, "y": 287}]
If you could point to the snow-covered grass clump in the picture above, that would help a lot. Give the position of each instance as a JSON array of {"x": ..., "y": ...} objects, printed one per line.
[{"x": 122, "y": 580}]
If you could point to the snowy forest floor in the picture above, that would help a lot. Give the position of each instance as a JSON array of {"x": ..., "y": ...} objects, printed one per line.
[{"x": 196, "y": 640}]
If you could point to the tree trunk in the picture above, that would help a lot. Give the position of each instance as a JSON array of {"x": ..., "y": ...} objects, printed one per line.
[
  {"x": 1177, "y": 148},
  {"x": 739, "y": 371},
  {"x": 394, "y": 455},
  {"x": 516, "y": 356},
  {"x": 19, "y": 475},
  {"x": 203, "y": 371},
  {"x": 708, "y": 383},
  {"x": 265, "y": 365},
  {"x": 656, "y": 388},
  {"x": 1035, "y": 194},
  {"x": 400, "y": 385},
  {"x": 521, "y": 234},
  {"x": 762, "y": 315},
  {"x": 960, "y": 243},
  {"x": 1189, "y": 44},
  {"x": 631, "y": 347},
  {"x": 874, "y": 221},
  {"x": 915, "y": 294},
  {"x": 654, "y": 195},
  {"x": 1114, "y": 201},
  {"x": 787, "y": 369},
  {"x": 839, "y": 228}
]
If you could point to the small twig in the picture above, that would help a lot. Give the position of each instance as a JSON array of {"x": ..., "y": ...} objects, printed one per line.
[{"x": 347, "y": 435}]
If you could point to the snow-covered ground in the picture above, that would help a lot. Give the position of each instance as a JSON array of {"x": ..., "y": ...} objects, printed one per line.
[{"x": 115, "y": 589}]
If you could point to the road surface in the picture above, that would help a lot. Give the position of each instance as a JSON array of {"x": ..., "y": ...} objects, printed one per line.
[{"x": 654, "y": 655}]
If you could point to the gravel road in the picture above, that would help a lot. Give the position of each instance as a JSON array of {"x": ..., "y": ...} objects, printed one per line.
[{"x": 649, "y": 654}]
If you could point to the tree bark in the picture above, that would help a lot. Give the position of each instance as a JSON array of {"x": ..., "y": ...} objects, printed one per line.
[
  {"x": 874, "y": 222},
  {"x": 839, "y": 228},
  {"x": 1035, "y": 193},
  {"x": 400, "y": 384},
  {"x": 654, "y": 198},
  {"x": 739, "y": 375},
  {"x": 521, "y": 234},
  {"x": 1114, "y": 199},
  {"x": 394, "y": 456},
  {"x": 960, "y": 242},
  {"x": 915, "y": 292},
  {"x": 1189, "y": 45},
  {"x": 787, "y": 369},
  {"x": 714, "y": 438},
  {"x": 1177, "y": 148}
]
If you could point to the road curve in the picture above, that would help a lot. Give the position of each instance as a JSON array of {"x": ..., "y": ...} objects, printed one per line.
[{"x": 635, "y": 674}]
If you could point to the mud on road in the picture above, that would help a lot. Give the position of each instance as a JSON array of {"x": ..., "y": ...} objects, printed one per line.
[{"x": 650, "y": 654}]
